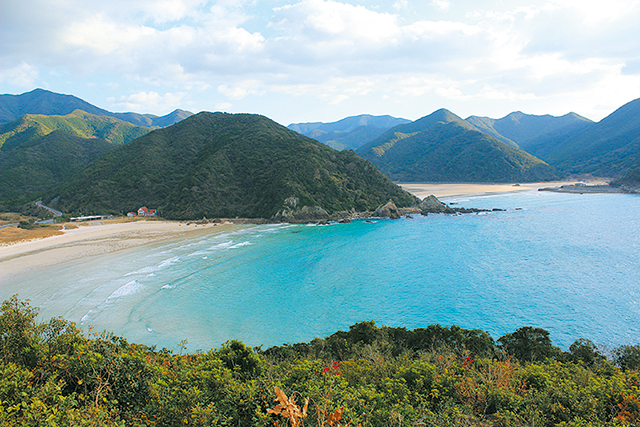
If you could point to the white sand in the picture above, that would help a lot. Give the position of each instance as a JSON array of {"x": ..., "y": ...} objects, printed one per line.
[
  {"x": 423, "y": 190},
  {"x": 89, "y": 240}
]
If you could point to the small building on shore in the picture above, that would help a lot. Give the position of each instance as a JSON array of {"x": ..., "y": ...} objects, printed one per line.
[{"x": 144, "y": 211}]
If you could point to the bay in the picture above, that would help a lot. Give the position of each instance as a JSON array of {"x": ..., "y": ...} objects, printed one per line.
[{"x": 568, "y": 263}]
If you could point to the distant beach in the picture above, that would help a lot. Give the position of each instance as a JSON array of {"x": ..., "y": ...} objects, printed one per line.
[{"x": 423, "y": 190}]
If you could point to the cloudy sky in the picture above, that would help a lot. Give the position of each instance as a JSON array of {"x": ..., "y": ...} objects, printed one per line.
[{"x": 323, "y": 60}]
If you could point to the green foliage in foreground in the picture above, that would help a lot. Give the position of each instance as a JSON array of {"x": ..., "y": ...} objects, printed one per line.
[{"x": 53, "y": 375}]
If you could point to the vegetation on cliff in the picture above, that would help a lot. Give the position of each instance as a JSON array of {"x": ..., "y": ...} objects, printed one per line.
[
  {"x": 52, "y": 374},
  {"x": 227, "y": 165}
]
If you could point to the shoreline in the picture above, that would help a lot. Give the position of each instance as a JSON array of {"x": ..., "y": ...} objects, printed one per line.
[
  {"x": 90, "y": 240},
  {"x": 440, "y": 190},
  {"x": 96, "y": 238}
]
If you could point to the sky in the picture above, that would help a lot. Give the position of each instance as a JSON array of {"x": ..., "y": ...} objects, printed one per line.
[{"x": 322, "y": 60}]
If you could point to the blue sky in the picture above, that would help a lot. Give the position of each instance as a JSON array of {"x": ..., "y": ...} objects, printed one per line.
[{"x": 323, "y": 60}]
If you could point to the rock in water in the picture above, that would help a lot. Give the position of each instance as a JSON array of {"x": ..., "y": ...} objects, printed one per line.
[
  {"x": 431, "y": 204},
  {"x": 388, "y": 210}
]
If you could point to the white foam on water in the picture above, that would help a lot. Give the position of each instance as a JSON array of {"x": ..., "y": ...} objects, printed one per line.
[
  {"x": 168, "y": 262},
  {"x": 219, "y": 246},
  {"x": 239, "y": 245},
  {"x": 128, "y": 289}
]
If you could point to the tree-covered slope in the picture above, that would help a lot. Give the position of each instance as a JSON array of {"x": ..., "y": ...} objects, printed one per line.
[
  {"x": 224, "y": 165},
  {"x": 610, "y": 148},
  {"x": 40, "y": 101},
  {"x": 442, "y": 147},
  {"x": 630, "y": 180},
  {"x": 79, "y": 123},
  {"x": 38, "y": 166},
  {"x": 519, "y": 129}
]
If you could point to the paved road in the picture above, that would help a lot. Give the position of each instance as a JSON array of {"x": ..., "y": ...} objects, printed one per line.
[{"x": 53, "y": 211}]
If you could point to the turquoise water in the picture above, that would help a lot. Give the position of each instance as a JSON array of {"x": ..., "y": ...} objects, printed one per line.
[{"x": 567, "y": 263}]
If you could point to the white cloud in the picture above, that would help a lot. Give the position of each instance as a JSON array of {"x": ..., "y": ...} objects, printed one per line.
[
  {"x": 242, "y": 89},
  {"x": 150, "y": 102},
  {"x": 331, "y": 51},
  {"x": 441, "y": 4},
  {"x": 22, "y": 75}
]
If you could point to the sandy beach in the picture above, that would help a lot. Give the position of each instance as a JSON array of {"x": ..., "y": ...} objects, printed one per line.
[
  {"x": 97, "y": 238},
  {"x": 423, "y": 190},
  {"x": 89, "y": 240}
]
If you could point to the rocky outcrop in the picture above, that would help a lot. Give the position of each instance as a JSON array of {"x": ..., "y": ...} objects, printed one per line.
[
  {"x": 389, "y": 210},
  {"x": 431, "y": 204}
]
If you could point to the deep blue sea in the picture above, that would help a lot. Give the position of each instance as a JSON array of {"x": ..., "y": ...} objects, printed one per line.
[{"x": 565, "y": 262}]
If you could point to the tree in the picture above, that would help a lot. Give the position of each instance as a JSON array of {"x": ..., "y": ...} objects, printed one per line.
[{"x": 528, "y": 344}]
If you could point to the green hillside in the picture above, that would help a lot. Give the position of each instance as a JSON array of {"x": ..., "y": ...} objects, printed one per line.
[
  {"x": 521, "y": 130},
  {"x": 609, "y": 148},
  {"x": 40, "y": 101},
  {"x": 36, "y": 167},
  {"x": 224, "y": 165},
  {"x": 442, "y": 147},
  {"x": 352, "y": 140},
  {"x": 630, "y": 180},
  {"x": 31, "y": 127}
]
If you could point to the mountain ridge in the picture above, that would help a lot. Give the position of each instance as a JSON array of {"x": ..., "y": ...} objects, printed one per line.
[
  {"x": 41, "y": 101},
  {"x": 442, "y": 147},
  {"x": 227, "y": 165}
]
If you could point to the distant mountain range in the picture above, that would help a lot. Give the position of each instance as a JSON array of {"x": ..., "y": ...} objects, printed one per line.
[
  {"x": 518, "y": 129},
  {"x": 442, "y": 147},
  {"x": 247, "y": 165},
  {"x": 227, "y": 165},
  {"x": 40, "y": 101},
  {"x": 570, "y": 144},
  {"x": 349, "y": 133}
]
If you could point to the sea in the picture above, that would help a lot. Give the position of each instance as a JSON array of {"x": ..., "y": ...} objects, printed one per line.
[{"x": 568, "y": 263}]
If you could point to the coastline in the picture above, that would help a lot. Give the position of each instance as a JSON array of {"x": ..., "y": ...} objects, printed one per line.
[
  {"x": 439, "y": 190},
  {"x": 90, "y": 240},
  {"x": 96, "y": 238}
]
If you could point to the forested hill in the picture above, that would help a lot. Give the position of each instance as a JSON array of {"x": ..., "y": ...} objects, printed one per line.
[
  {"x": 227, "y": 165},
  {"x": 441, "y": 147},
  {"x": 30, "y": 127},
  {"x": 608, "y": 148},
  {"x": 519, "y": 129},
  {"x": 40, "y": 101},
  {"x": 30, "y": 169}
]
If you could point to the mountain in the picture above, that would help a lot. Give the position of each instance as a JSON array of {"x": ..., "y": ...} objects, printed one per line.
[
  {"x": 40, "y": 101},
  {"x": 349, "y": 133},
  {"x": 608, "y": 148},
  {"x": 39, "y": 165},
  {"x": 519, "y": 130},
  {"x": 441, "y": 147},
  {"x": 630, "y": 180},
  {"x": 227, "y": 165},
  {"x": 79, "y": 123}
]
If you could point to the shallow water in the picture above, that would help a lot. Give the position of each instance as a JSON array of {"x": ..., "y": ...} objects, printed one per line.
[{"x": 567, "y": 263}]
